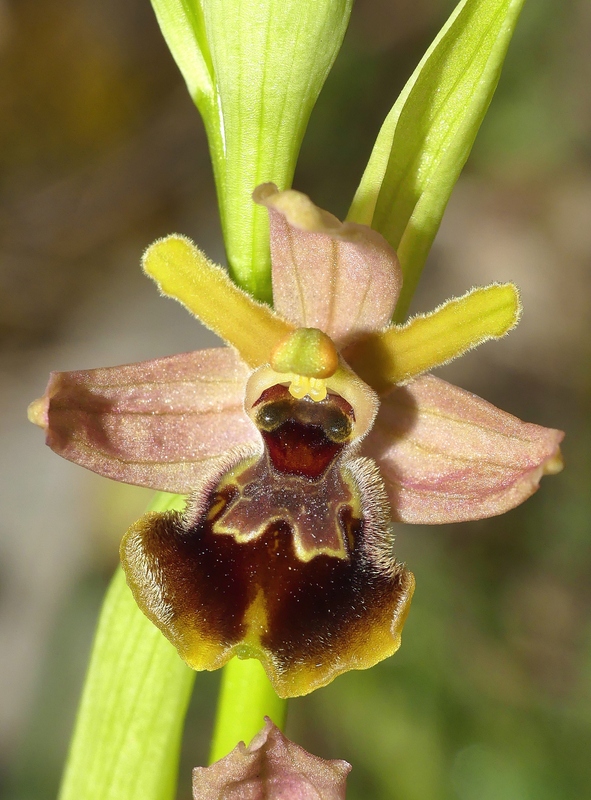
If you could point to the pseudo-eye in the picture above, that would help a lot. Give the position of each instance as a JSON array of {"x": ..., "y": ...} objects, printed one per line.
[{"x": 286, "y": 554}]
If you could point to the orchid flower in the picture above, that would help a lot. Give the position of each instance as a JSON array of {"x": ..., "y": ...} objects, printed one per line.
[
  {"x": 271, "y": 766},
  {"x": 298, "y": 445}
]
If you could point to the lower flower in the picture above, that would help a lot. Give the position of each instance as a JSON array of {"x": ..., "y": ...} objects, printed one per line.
[{"x": 271, "y": 767}]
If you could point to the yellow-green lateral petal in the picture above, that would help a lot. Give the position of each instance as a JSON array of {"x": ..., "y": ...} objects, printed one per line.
[
  {"x": 183, "y": 272},
  {"x": 430, "y": 340}
]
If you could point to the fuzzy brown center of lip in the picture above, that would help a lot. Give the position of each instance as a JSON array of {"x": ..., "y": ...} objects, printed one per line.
[{"x": 303, "y": 437}]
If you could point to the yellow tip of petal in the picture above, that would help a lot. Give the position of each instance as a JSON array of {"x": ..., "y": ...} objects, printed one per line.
[
  {"x": 297, "y": 208},
  {"x": 554, "y": 465},
  {"x": 37, "y": 412}
]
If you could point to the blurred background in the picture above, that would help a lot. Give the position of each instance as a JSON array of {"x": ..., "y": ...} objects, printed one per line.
[{"x": 101, "y": 151}]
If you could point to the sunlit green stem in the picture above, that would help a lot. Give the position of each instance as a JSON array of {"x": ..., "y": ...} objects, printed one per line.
[
  {"x": 126, "y": 744},
  {"x": 246, "y": 696}
]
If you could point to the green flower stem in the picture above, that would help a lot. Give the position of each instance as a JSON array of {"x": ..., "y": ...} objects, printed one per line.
[{"x": 246, "y": 696}]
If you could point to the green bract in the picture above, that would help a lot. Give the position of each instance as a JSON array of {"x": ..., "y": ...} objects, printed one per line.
[
  {"x": 254, "y": 69},
  {"x": 127, "y": 739},
  {"x": 427, "y": 136}
]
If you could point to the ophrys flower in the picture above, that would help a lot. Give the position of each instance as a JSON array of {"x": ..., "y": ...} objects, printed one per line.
[{"x": 298, "y": 445}]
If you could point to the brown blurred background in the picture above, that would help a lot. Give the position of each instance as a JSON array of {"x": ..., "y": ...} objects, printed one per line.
[{"x": 101, "y": 151}]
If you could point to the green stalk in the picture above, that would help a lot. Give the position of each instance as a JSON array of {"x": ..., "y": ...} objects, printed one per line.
[{"x": 246, "y": 696}]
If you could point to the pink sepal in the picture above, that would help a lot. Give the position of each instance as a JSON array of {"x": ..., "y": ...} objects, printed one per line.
[
  {"x": 271, "y": 767},
  {"x": 153, "y": 423},
  {"x": 446, "y": 455},
  {"x": 341, "y": 277}
]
